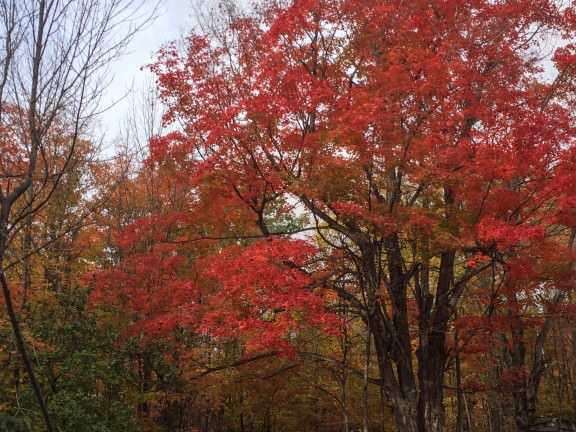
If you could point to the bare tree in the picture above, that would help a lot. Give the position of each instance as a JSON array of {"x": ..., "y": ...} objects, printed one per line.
[
  {"x": 54, "y": 55},
  {"x": 143, "y": 120}
]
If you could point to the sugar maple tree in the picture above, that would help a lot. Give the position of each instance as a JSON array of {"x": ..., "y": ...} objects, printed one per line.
[{"x": 423, "y": 142}]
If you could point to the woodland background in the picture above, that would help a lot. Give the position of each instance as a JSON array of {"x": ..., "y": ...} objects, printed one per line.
[{"x": 323, "y": 215}]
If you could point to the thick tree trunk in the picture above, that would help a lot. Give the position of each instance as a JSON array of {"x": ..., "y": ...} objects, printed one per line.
[
  {"x": 431, "y": 361},
  {"x": 416, "y": 406},
  {"x": 403, "y": 404},
  {"x": 432, "y": 353}
]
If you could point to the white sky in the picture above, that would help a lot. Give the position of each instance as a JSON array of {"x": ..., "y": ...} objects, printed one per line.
[{"x": 175, "y": 18}]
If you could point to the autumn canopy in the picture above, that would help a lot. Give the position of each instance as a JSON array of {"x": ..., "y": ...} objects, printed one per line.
[
  {"x": 426, "y": 149},
  {"x": 399, "y": 172}
]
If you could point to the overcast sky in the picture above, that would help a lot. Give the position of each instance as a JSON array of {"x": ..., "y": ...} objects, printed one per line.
[{"x": 175, "y": 18}]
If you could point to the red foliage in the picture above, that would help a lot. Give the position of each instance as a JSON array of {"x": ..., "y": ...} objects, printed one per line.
[
  {"x": 153, "y": 291},
  {"x": 420, "y": 130},
  {"x": 265, "y": 293}
]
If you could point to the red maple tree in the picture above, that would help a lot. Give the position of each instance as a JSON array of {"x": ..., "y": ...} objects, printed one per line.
[{"x": 422, "y": 141}]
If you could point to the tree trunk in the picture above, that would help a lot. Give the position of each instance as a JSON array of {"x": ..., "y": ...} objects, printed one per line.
[
  {"x": 403, "y": 405},
  {"x": 414, "y": 407},
  {"x": 5, "y": 211},
  {"x": 495, "y": 417},
  {"x": 431, "y": 398},
  {"x": 365, "y": 407},
  {"x": 146, "y": 383},
  {"x": 459, "y": 393},
  {"x": 23, "y": 353},
  {"x": 525, "y": 391},
  {"x": 26, "y": 260}
]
